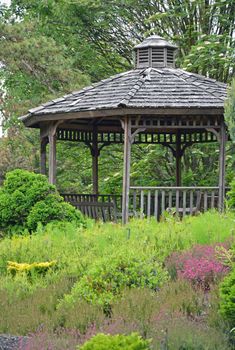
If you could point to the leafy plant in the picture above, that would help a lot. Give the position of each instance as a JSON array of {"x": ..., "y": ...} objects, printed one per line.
[
  {"x": 230, "y": 110},
  {"x": 231, "y": 195},
  {"x": 52, "y": 208},
  {"x": 106, "y": 279},
  {"x": 116, "y": 342},
  {"x": 200, "y": 265},
  {"x": 227, "y": 296},
  {"x": 27, "y": 198},
  {"x": 21, "y": 190},
  {"x": 40, "y": 268}
]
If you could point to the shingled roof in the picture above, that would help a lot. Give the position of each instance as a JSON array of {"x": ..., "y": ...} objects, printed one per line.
[{"x": 141, "y": 88}]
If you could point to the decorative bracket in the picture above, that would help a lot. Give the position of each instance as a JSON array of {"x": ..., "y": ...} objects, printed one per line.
[
  {"x": 94, "y": 151},
  {"x": 182, "y": 150},
  {"x": 136, "y": 132},
  {"x": 50, "y": 129},
  {"x": 215, "y": 132}
]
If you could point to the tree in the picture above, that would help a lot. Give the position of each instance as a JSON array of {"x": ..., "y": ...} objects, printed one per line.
[
  {"x": 49, "y": 48},
  {"x": 230, "y": 110},
  {"x": 204, "y": 31}
]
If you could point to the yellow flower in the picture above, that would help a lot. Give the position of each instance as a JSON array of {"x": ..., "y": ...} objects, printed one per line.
[{"x": 13, "y": 266}]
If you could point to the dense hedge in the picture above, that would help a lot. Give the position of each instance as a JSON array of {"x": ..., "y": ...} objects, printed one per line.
[{"x": 27, "y": 198}]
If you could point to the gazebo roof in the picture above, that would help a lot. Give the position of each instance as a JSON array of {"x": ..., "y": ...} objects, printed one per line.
[{"x": 161, "y": 88}]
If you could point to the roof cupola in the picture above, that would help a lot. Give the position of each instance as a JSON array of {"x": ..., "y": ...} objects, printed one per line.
[{"x": 155, "y": 52}]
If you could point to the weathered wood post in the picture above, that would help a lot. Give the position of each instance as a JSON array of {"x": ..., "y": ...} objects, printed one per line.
[
  {"x": 52, "y": 127},
  {"x": 52, "y": 155},
  {"x": 95, "y": 161},
  {"x": 178, "y": 155},
  {"x": 222, "y": 158},
  {"x": 43, "y": 156},
  {"x": 126, "y": 169}
]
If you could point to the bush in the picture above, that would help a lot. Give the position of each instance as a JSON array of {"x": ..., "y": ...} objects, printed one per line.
[
  {"x": 231, "y": 195},
  {"x": 52, "y": 208},
  {"x": 116, "y": 342},
  {"x": 40, "y": 268},
  {"x": 27, "y": 198},
  {"x": 200, "y": 265},
  {"x": 110, "y": 276},
  {"x": 227, "y": 296}
]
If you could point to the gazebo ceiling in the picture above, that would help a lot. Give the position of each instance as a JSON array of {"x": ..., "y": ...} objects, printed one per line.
[{"x": 148, "y": 90}]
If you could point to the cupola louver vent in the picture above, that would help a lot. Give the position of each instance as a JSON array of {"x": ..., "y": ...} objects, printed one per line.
[{"x": 155, "y": 52}]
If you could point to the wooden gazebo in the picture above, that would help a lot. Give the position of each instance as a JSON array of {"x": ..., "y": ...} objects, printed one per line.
[{"x": 154, "y": 103}]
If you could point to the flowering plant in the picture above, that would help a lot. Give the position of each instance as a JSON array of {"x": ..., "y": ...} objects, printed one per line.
[{"x": 201, "y": 265}]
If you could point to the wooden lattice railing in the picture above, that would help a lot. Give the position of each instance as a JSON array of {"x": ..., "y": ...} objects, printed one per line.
[
  {"x": 147, "y": 202},
  {"x": 154, "y": 201}
]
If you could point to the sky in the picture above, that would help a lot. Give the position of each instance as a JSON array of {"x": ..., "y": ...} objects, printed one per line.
[{"x": 7, "y": 2}]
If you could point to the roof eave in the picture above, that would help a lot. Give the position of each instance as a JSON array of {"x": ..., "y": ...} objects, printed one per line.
[{"x": 31, "y": 120}]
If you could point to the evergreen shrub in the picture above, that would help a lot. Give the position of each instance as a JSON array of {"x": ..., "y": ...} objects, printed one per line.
[
  {"x": 227, "y": 297},
  {"x": 27, "y": 198},
  {"x": 52, "y": 208},
  {"x": 116, "y": 342}
]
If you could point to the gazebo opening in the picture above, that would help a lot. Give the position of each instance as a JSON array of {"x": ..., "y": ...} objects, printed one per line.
[{"x": 154, "y": 103}]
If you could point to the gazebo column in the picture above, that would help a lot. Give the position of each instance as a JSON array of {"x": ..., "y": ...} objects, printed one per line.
[
  {"x": 126, "y": 169},
  {"x": 222, "y": 156},
  {"x": 178, "y": 156},
  {"x": 52, "y": 158},
  {"x": 43, "y": 156},
  {"x": 48, "y": 134},
  {"x": 95, "y": 162}
]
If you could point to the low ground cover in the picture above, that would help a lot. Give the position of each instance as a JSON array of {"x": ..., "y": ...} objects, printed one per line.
[{"x": 118, "y": 280}]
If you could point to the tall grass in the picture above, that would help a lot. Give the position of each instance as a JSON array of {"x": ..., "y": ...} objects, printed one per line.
[{"x": 28, "y": 302}]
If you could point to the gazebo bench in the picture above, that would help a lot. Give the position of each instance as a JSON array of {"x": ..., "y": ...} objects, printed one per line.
[{"x": 105, "y": 211}]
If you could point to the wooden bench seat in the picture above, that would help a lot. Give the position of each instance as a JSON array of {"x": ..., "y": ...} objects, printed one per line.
[{"x": 105, "y": 211}]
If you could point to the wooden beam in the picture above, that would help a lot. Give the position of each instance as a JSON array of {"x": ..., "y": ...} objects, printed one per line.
[
  {"x": 178, "y": 155},
  {"x": 222, "y": 161},
  {"x": 43, "y": 156},
  {"x": 52, "y": 158},
  {"x": 95, "y": 161},
  {"x": 30, "y": 120},
  {"x": 126, "y": 170},
  {"x": 48, "y": 132}
]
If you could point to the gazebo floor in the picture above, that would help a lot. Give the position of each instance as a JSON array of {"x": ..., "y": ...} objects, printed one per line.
[{"x": 147, "y": 202}]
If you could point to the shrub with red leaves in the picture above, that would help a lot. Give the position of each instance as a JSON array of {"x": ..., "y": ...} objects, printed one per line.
[{"x": 200, "y": 265}]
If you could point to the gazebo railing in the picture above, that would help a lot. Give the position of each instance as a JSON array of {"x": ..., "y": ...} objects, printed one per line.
[
  {"x": 100, "y": 198},
  {"x": 154, "y": 201},
  {"x": 145, "y": 201}
]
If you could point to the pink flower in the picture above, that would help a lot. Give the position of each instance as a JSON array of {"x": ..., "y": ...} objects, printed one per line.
[{"x": 200, "y": 265}]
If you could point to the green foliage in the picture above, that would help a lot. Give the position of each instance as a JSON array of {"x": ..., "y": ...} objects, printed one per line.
[
  {"x": 52, "y": 208},
  {"x": 20, "y": 192},
  {"x": 195, "y": 26},
  {"x": 230, "y": 110},
  {"x": 231, "y": 195},
  {"x": 116, "y": 259},
  {"x": 38, "y": 70},
  {"x": 211, "y": 54},
  {"x": 49, "y": 48},
  {"x": 116, "y": 342},
  {"x": 227, "y": 296},
  {"x": 109, "y": 277},
  {"x": 27, "y": 198},
  {"x": 41, "y": 268}
]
